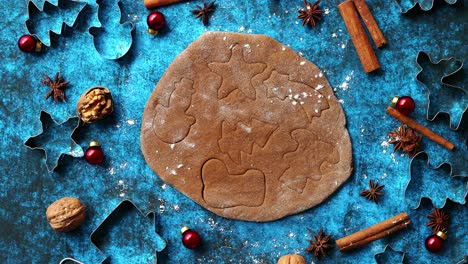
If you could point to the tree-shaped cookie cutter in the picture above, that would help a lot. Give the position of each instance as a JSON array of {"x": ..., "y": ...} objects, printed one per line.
[
  {"x": 34, "y": 8},
  {"x": 73, "y": 149},
  {"x": 117, "y": 213}
]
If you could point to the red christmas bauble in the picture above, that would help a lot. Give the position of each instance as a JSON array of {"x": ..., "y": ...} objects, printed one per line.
[
  {"x": 435, "y": 243},
  {"x": 94, "y": 154},
  {"x": 190, "y": 238},
  {"x": 155, "y": 21},
  {"x": 404, "y": 105},
  {"x": 28, "y": 44}
]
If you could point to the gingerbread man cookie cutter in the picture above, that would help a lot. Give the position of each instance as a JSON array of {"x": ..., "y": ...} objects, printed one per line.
[{"x": 424, "y": 5}]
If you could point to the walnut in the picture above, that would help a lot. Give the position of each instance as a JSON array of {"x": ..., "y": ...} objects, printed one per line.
[
  {"x": 291, "y": 259},
  {"x": 66, "y": 214},
  {"x": 95, "y": 104}
]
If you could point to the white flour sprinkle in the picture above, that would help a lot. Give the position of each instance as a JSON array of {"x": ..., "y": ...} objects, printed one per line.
[
  {"x": 180, "y": 166},
  {"x": 345, "y": 85},
  {"x": 241, "y": 28},
  {"x": 131, "y": 122},
  {"x": 302, "y": 63},
  {"x": 343, "y": 46},
  {"x": 327, "y": 11},
  {"x": 334, "y": 35},
  {"x": 172, "y": 146}
]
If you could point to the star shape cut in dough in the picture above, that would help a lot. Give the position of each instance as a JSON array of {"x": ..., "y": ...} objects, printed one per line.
[{"x": 237, "y": 74}]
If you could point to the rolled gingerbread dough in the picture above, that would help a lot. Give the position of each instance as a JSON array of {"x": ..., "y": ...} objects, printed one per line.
[{"x": 247, "y": 128}]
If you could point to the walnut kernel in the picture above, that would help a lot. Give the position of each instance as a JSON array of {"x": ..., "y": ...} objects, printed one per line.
[
  {"x": 95, "y": 104},
  {"x": 66, "y": 214}
]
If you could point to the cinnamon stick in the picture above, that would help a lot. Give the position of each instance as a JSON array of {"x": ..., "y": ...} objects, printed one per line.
[
  {"x": 374, "y": 232},
  {"x": 358, "y": 36},
  {"x": 155, "y": 3},
  {"x": 420, "y": 128},
  {"x": 371, "y": 24}
]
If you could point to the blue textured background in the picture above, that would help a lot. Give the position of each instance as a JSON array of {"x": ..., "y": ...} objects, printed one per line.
[{"x": 27, "y": 188}]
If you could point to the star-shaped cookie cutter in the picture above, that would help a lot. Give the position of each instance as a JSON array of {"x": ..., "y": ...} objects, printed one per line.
[
  {"x": 458, "y": 67},
  {"x": 388, "y": 252},
  {"x": 121, "y": 208},
  {"x": 47, "y": 122},
  {"x": 33, "y": 7}
]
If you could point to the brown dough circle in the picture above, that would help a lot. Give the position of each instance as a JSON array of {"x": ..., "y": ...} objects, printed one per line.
[{"x": 247, "y": 128}]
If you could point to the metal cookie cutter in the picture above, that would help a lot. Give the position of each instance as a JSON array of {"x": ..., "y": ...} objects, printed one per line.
[
  {"x": 444, "y": 68},
  {"x": 458, "y": 190},
  {"x": 32, "y": 21},
  {"x": 66, "y": 146},
  {"x": 389, "y": 255},
  {"x": 114, "y": 39},
  {"x": 108, "y": 232},
  {"x": 424, "y": 5}
]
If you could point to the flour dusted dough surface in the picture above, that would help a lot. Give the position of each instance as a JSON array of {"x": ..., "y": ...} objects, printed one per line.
[{"x": 247, "y": 128}]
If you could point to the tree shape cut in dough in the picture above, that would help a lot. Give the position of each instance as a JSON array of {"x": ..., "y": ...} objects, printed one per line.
[
  {"x": 301, "y": 95},
  {"x": 237, "y": 74},
  {"x": 310, "y": 155},
  {"x": 224, "y": 190},
  {"x": 179, "y": 102},
  {"x": 242, "y": 137}
]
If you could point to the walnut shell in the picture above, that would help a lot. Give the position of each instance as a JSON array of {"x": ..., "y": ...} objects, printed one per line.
[
  {"x": 291, "y": 259},
  {"x": 66, "y": 214},
  {"x": 95, "y": 104}
]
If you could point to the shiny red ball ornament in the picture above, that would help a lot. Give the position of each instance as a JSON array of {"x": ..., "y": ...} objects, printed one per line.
[
  {"x": 190, "y": 238},
  {"x": 435, "y": 243},
  {"x": 28, "y": 44},
  {"x": 404, "y": 104},
  {"x": 94, "y": 154},
  {"x": 156, "y": 21}
]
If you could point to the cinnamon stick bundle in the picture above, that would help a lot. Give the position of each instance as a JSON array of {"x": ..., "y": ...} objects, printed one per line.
[
  {"x": 358, "y": 36},
  {"x": 155, "y": 3},
  {"x": 420, "y": 128},
  {"x": 374, "y": 232},
  {"x": 371, "y": 25}
]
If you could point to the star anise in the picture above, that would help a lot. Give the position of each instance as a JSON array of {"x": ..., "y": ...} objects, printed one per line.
[
  {"x": 406, "y": 139},
  {"x": 56, "y": 86},
  {"x": 320, "y": 243},
  {"x": 438, "y": 220},
  {"x": 204, "y": 11},
  {"x": 311, "y": 14},
  {"x": 374, "y": 192}
]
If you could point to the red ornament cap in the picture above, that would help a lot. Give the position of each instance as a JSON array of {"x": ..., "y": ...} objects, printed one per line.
[
  {"x": 404, "y": 104},
  {"x": 190, "y": 239},
  {"x": 28, "y": 44},
  {"x": 155, "y": 21}
]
